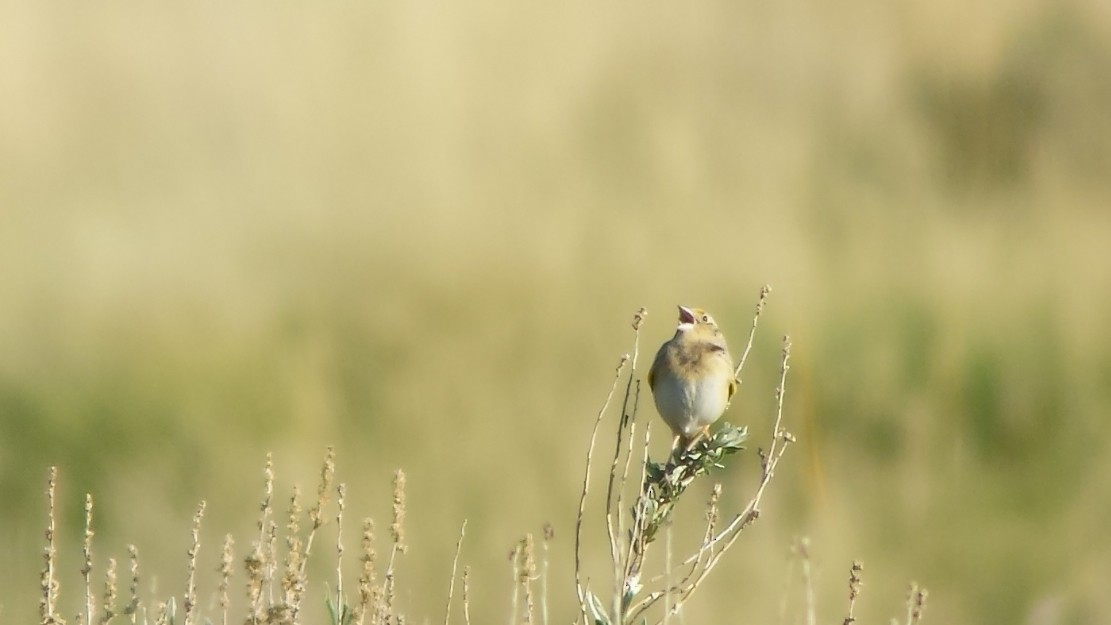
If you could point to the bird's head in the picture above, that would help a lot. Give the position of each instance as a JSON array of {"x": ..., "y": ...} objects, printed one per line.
[{"x": 696, "y": 319}]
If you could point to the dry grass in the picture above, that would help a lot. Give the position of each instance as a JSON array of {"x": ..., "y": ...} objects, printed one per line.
[
  {"x": 636, "y": 595},
  {"x": 262, "y": 571},
  {"x": 411, "y": 232}
]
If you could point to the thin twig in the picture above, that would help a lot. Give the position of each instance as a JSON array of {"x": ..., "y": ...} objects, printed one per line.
[
  {"x": 628, "y": 567},
  {"x": 632, "y": 418},
  {"x": 514, "y": 560},
  {"x": 639, "y": 518},
  {"x": 454, "y": 567},
  {"x": 764, "y": 290},
  {"x": 190, "y": 600},
  {"x": 803, "y": 548},
  {"x": 549, "y": 534},
  {"x": 916, "y": 603},
  {"x": 579, "y": 588},
  {"x": 341, "y": 496},
  {"x": 226, "y": 559},
  {"x": 110, "y": 593},
  {"x": 266, "y": 549},
  {"x": 133, "y": 606},
  {"x": 87, "y": 552},
  {"x": 48, "y": 604},
  {"x": 316, "y": 518},
  {"x": 467, "y": 595},
  {"x": 854, "y": 590},
  {"x": 628, "y": 420},
  {"x": 777, "y": 432},
  {"x": 528, "y": 574},
  {"x": 706, "y": 547}
]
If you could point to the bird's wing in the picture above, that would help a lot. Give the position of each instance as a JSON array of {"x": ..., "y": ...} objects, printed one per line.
[
  {"x": 720, "y": 350},
  {"x": 661, "y": 355}
]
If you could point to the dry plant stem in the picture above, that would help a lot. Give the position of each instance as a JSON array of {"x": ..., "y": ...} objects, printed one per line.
[
  {"x": 704, "y": 548},
  {"x": 385, "y": 610},
  {"x": 260, "y": 563},
  {"x": 527, "y": 574},
  {"x": 109, "y": 593},
  {"x": 316, "y": 517},
  {"x": 190, "y": 600},
  {"x": 268, "y": 494},
  {"x": 454, "y": 568},
  {"x": 397, "y": 526},
  {"x": 514, "y": 558},
  {"x": 271, "y": 570},
  {"x": 549, "y": 534},
  {"x": 727, "y": 537},
  {"x": 368, "y": 585},
  {"x": 341, "y": 496},
  {"x": 616, "y": 534},
  {"x": 752, "y": 510},
  {"x": 580, "y": 589},
  {"x": 638, "y": 522},
  {"x": 803, "y": 549},
  {"x": 712, "y": 517},
  {"x": 854, "y": 590},
  {"x": 467, "y": 595},
  {"x": 87, "y": 553},
  {"x": 291, "y": 586},
  {"x": 161, "y": 613},
  {"x": 631, "y": 417},
  {"x": 760, "y": 303},
  {"x": 779, "y": 436},
  {"x": 916, "y": 603},
  {"x": 48, "y": 603},
  {"x": 226, "y": 560},
  {"x": 132, "y": 608},
  {"x": 627, "y": 569},
  {"x": 919, "y": 604},
  {"x": 316, "y": 514}
]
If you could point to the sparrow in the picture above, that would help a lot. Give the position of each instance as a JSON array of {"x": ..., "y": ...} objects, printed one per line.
[{"x": 692, "y": 377}]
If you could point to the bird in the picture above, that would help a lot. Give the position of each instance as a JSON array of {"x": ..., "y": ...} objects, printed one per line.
[{"x": 692, "y": 378}]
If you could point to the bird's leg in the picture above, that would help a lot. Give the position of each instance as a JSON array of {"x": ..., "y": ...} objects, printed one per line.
[
  {"x": 676, "y": 448},
  {"x": 698, "y": 436}
]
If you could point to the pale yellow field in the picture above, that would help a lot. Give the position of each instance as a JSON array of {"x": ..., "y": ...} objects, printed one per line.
[{"x": 418, "y": 232}]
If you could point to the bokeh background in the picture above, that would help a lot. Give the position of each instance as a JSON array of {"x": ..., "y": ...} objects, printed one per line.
[{"x": 418, "y": 231}]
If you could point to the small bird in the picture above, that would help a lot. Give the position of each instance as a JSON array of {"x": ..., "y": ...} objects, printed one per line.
[{"x": 692, "y": 378}]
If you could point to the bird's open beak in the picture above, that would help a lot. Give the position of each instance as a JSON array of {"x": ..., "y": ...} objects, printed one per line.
[{"x": 685, "y": 315}]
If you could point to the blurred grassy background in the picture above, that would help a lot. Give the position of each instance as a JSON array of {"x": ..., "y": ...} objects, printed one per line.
[{"x": 418, "y": 231}]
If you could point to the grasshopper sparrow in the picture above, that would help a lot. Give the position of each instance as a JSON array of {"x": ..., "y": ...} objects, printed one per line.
[{"x": 692, "y": 377}]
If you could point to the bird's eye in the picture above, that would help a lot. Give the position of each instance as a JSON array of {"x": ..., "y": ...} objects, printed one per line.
[{"x": 705, "y": 318}]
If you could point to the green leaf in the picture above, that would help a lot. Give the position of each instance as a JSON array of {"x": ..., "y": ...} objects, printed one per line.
[
  {"x": 597, "y": 610},
  {"x": 333, "y": 618},
  {"x": 339, "y": 614}
]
